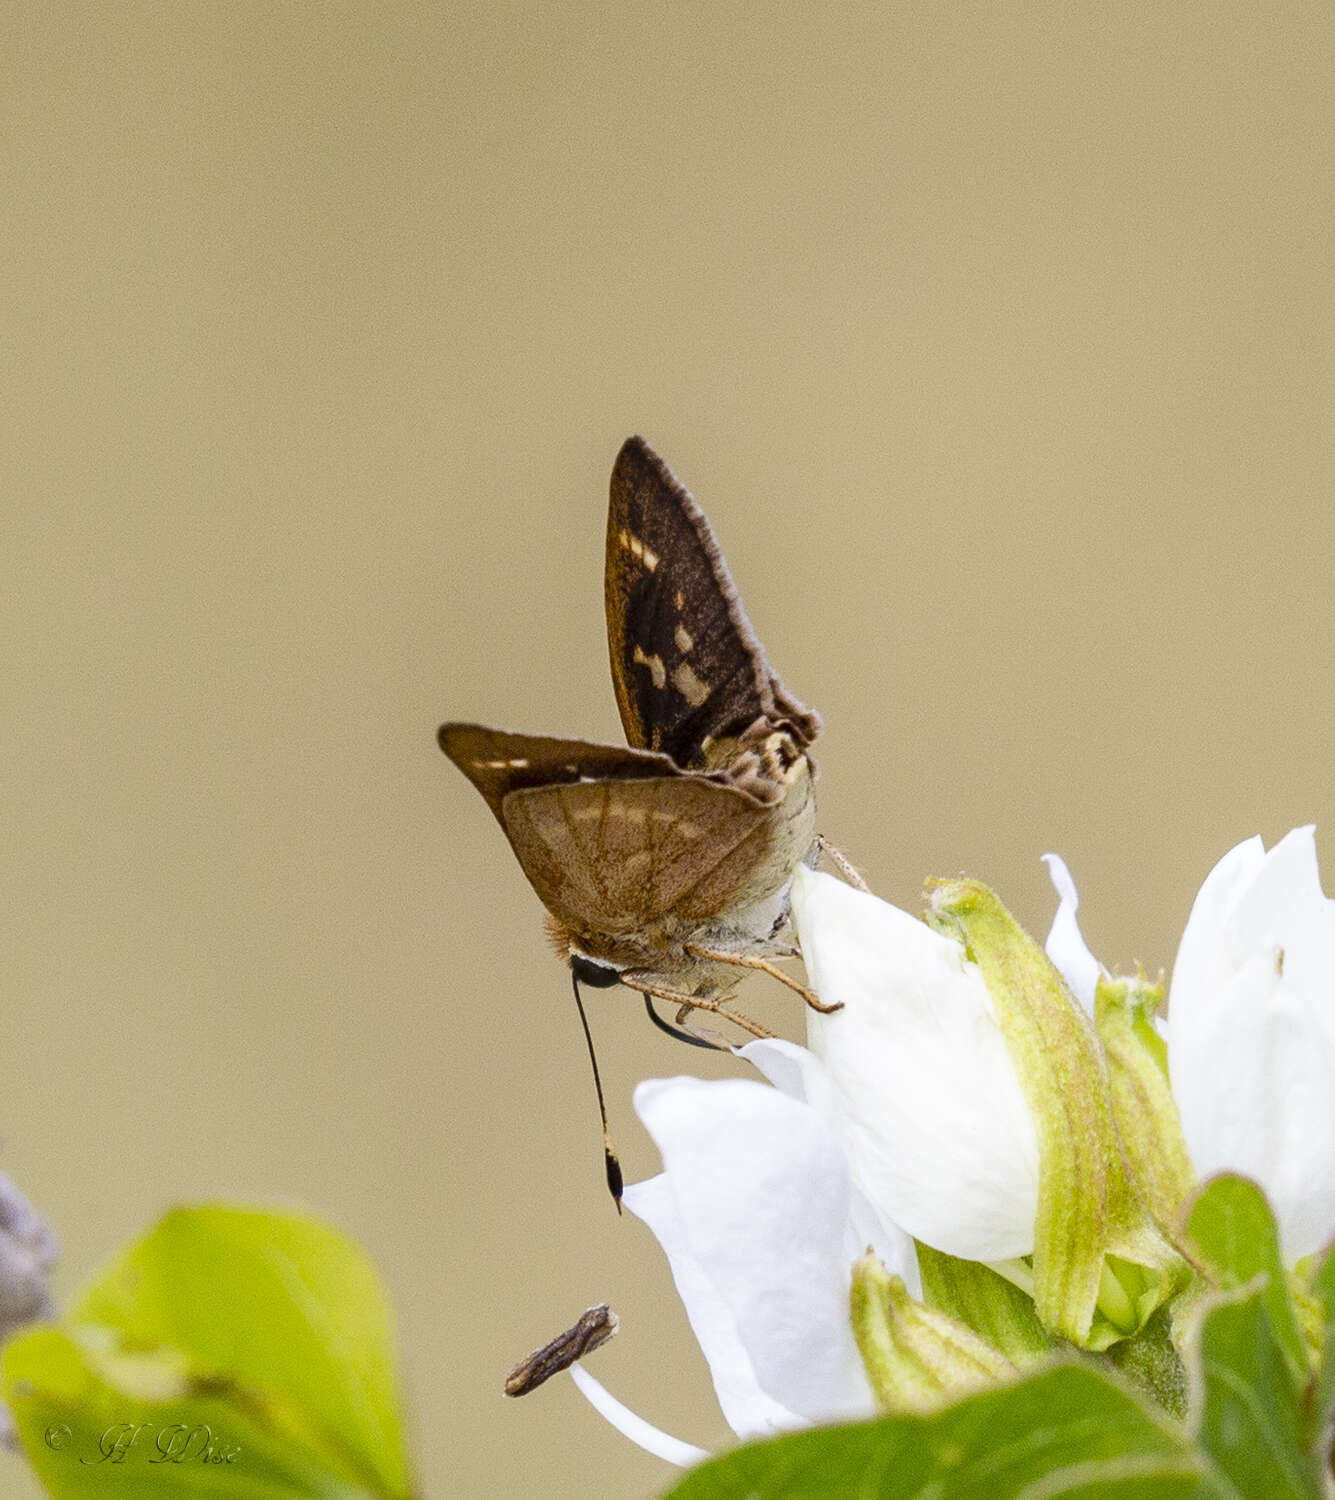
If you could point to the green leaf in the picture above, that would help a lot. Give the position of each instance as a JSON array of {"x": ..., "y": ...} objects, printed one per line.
[
  {"x": 1250, "y": 1420},
  {"x": 97, "y": 1423},
  {"x": 269, "y": 1328},
  {"x": 1323, "y": 1398},
  {"x": 1065, "y": 1432},
  {"x": 1232, "y": 1226}
]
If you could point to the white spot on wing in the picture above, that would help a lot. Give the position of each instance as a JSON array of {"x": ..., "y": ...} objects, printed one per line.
[
  {"x": 683, "y": 637},
  {"x": 632, "y": 544},
  {"x": 657, "y": 671},
  {"x": 689, "y": 685}
]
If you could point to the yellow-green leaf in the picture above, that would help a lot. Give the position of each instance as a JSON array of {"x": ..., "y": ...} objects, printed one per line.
[{"x": 268, "y": 1328}]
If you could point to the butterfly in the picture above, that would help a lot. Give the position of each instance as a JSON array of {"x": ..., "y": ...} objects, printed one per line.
[{"x": 664, "y": 865}]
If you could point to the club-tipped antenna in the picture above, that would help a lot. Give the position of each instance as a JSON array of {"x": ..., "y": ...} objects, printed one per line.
[{"x": 615, "y": 1183}]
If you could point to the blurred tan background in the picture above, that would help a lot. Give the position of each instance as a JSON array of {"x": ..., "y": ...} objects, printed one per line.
[{"x": 999, "y": 344}]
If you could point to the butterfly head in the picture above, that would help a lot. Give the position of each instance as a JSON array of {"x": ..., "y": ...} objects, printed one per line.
[{"x": 591, "y": 971}]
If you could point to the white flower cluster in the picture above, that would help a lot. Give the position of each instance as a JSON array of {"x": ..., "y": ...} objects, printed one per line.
[{"x": 963, "y": 1103}]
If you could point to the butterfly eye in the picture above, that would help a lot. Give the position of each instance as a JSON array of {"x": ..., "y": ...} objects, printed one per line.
[{"x": 598, "y": 976}]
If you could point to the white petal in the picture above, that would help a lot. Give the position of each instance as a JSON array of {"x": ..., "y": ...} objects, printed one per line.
[
  {"x": 1252, "y": 1041},
  {"x": 1218, "y": 1069},
  {"x": 802, "y": 1075},
  {"x": 928, "y": 1102},
  {"x": 745, "y": 1407},
  {"x": 1253, "y": 1080},
  {"x": 1066, "y": 945},
  {"x": 1300, "y": 1179},
  {"x": 795, "y": 1071},
  {"x": 1285, "y": 888},
  {"x": 661, "y": 1444},
  {"x": 1202, "y": 942},
  {"x": 761, "y": 1195}
]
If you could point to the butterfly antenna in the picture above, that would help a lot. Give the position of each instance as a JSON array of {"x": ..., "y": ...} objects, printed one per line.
[{"x": 615, "y": 1183}]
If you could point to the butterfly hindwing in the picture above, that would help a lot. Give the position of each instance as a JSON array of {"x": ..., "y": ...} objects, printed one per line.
[
  {"x": 616, "y": 856},
  {"x": 686, "y": 664}
]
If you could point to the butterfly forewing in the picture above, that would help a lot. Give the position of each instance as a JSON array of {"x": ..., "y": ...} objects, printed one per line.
[
  {"x": 497, "y": 762},
  {"x": 686, "y": 665}
]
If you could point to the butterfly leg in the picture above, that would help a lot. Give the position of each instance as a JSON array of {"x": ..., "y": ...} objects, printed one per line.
[
  {"x": 646, "y": 986},
  {"x": 782, "y": 950},
  {"x": 751, "y": 961},
  {"x": 842, "y": 863}
]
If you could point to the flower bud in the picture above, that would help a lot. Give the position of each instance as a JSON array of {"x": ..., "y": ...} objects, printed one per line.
[
  {"x": 916, "y": 1357},
  {"x": 1100, "y": 1267},
  {"x": 1147, "y": 1117}
]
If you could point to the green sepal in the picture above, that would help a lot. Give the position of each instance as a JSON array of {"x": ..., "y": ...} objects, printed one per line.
[
  {"x": 977, "y": 1296},
  {"x": 916, "y": 1358},
  {"x": 1152, "y": 1361},
  {"x": 1143, "y": 1106},
  {"x": 1101, "y": 1268}
]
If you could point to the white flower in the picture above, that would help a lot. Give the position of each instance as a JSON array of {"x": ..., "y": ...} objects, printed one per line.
[
  {"x": 905, "y": 1118},
  {"x": 761, "y": 1223},
  {"x": 921, "y": 1087},
  {"x": 1251, "y": 1028},
  {"x": 1251, "y": 1032}
]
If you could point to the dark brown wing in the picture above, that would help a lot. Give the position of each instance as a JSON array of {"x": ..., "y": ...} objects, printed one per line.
[
  {"x": 686, "y": 665},
  {"x": 497, "y": 762},
  {"x": 612, "y": 856}
]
